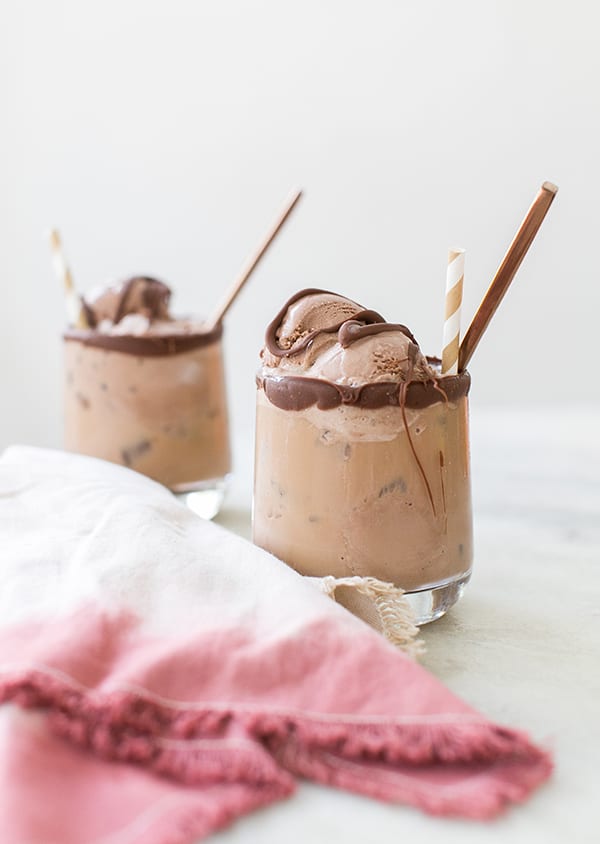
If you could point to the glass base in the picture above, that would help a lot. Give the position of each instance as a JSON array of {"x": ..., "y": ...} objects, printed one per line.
[
  {"x": 203, "y": 498},
  {"x": 430, "y": 604}
]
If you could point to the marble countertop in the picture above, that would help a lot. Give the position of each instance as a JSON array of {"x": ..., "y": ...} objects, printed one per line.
[{"x": 523, "y": 645}]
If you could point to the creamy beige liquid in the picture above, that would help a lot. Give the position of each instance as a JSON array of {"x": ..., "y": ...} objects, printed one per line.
[
  {"x": 340, "y": 491},
  {"x": 164, "y": 416}
]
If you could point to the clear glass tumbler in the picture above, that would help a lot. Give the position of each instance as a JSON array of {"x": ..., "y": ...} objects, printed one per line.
[
  {"x": 155, "y": 404},
  {"x": 378, "y": 490}
]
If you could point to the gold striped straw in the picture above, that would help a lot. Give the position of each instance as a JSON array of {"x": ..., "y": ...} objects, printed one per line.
[
  {"x": 75, "y": 312},
  {"x": 454, "y": 291}
]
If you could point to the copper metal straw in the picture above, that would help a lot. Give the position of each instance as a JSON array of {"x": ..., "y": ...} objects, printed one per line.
[{"x": 506, "y": 272}]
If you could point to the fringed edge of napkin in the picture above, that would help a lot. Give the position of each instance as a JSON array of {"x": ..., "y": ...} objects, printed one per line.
[
  {"x": 381, "y": 605},
  {"x": 187, "y": 744}
]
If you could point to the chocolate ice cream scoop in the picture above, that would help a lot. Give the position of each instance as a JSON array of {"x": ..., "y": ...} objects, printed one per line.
[
  {"x": 324, "y": 349},
  {"x": 324, "y": 335},
  {"x": 141, "y": 295}
]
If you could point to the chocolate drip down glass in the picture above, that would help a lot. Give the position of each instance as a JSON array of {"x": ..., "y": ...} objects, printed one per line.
[{"x": 370, "y": 480}]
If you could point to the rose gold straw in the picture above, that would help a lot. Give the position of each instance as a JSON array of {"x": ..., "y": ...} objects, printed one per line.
[
  {"x": 252, "y": 263},
  {"x": 506, "y": 272},
  {"x": 75, "y": 313},
  {"x": 455, "y": 275}
]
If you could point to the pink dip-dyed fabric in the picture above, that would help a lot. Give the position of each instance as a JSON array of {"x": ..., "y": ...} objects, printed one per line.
[{"x": 170, "y": 677}]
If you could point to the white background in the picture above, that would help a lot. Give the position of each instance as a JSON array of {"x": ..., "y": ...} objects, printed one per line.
[{"x": 162, "y": 137}]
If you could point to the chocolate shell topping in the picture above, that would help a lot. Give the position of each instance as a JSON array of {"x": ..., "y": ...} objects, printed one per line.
[{"x": 298, "y": 392}]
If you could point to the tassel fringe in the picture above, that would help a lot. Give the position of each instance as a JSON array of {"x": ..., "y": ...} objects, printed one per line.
[{"x": 393, "y": 615}]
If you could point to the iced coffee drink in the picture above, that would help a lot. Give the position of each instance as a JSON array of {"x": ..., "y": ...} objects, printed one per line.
[
  {"x": 362, "y": 453},
  {"x": 148, "y": 391}
]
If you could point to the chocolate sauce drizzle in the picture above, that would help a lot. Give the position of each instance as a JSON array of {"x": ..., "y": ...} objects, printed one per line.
[
  {"x": 155, "y": 297},
  {"x": 90, "y": 316},
  {"x": 363, "y": 323},
  {"x": 413, "y": 350},
  {"x": 356, "y": 328},
  {"x": 155, "y": 300}
]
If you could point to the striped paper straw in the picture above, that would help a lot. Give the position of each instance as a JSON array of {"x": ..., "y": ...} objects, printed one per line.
[
  {"x": 75, "y": 313},
  {"x": 454, "y": 292}
]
